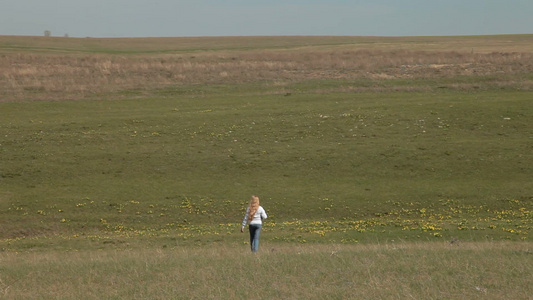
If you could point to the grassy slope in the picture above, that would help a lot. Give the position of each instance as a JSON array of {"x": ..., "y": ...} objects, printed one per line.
[
  {"x": 36, "y": 68},
  {"x": 147, "y": 163},
  {"x": 181, "y": 162}
]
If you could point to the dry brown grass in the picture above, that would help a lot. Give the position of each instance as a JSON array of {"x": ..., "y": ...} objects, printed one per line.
[{"x": 39, "y": 74}]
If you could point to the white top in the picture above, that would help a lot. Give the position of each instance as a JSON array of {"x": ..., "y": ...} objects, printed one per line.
[{"x": 260, "y": 214}]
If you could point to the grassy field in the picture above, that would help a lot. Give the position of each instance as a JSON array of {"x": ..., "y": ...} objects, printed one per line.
[
  {"x": 400, "y": 271},
  {"x": 390, "y": 168}
]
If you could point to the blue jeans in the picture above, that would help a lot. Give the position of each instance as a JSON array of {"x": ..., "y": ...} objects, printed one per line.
[{"x": 255, "y": 230}]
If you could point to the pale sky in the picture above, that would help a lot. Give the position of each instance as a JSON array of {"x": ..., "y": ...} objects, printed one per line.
[{"x": 162, "y": 18}]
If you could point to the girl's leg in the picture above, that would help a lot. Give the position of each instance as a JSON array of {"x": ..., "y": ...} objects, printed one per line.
[
  {"x": 252, "y": 234},
  {"x": 255, "y": 230}
]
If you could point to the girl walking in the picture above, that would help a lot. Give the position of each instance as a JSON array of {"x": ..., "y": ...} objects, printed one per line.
[{"x": 253, "y": 217}]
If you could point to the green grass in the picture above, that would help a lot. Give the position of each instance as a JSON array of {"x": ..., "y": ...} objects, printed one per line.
[{"x": 336, "y": 167}]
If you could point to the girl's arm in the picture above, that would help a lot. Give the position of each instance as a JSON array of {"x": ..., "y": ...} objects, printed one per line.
[
  {"x": 245, "y": 220},
  {"x": 263, "y": 214}
]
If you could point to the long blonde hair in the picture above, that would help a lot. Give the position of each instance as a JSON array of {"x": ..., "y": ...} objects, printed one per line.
[{"x": 252, "y": 209}]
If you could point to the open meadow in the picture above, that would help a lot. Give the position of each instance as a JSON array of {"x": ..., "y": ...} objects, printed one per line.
[{"x": 390, "y": 168}]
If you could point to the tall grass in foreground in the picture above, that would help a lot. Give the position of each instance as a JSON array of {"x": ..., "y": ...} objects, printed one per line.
[{"x": 389, "y": 271}]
